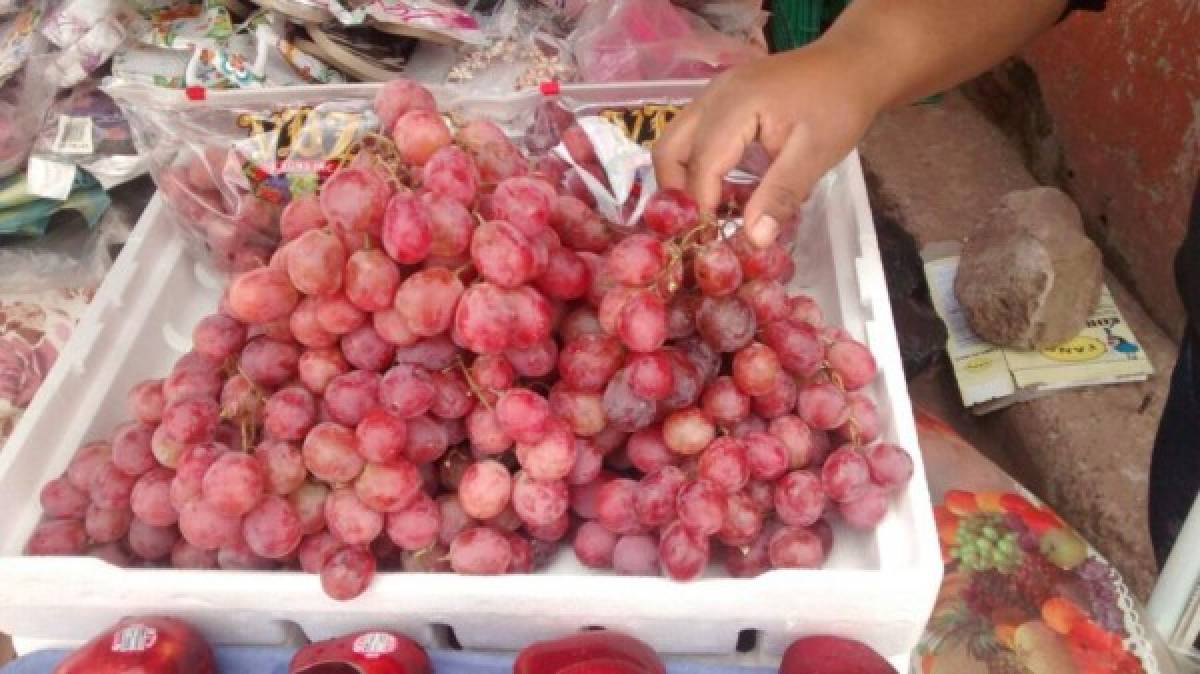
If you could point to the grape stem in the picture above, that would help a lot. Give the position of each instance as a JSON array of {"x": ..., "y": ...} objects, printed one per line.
[{"x": 476, "y": 390}]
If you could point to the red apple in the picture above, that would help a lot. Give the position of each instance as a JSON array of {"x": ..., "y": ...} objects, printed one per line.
[
  {"x": 832, "y": 655},
  {"x": 597, "y": 652},
  {"x": 144, "y": 645},
  {"x": 369, "y": 652}
]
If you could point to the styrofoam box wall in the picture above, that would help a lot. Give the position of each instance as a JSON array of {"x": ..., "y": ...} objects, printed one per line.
[{"x": 877, "y": 587}]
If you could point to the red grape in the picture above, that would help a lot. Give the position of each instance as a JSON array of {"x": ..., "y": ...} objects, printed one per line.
[
  {"x": 152, "y": 543},
  {"x": 131, "y": 450},
  {"x": 777, "y": 402},
  {"x": 525, "y": 202},
  {"x": 766, "y": 456},
  {"x": 60, "y": 499},
  {"x": 350, "y": 396},
  {"x": 399, "y": 96},
  {"x": 426, "y": 441},
  {"x": 269, "y": 362},
  {"x": 682, "y": 552},
  {"x": 862, "y": 426},
  {"x": 218, "y": 337},
  {"x": 110, "y": 487},
  {"x": 616, "y": 508},
  {"x": 594, "y": 545},
  {"x": 349, "y": 519},
  {"x": 717, "y": 270},
  {"x": 767, "y": 297},
  {"x": 337, "y": 315},
  {"x": 233, "y": 484},
  {"x": 743, "y": 521},
  {"x": 290, "y": 413},
  {"x": 799, "y": 498},
  {"x": 347, "y": 573},
  {"x": 315, "y": 262},
  {"x": 485, "y": 489},
  {"x": 636, "y": 555},
  {"x": 146, "y": 401},
  {"x": 845, "y": 475},
  {"x": 483, "y": 319},
  {"x": 636, "y": 260},
  {"x": 309, "y": 502},
  {"x": 419, "y": 134},
  {"x": 330, "y": 453},
  {"x": 415, "y": 527},
  {"x": 57, "y": 537},
  {"x": 852, "y": 362},
  {"x": 578, "y": 226},
  {"x": 822, "y": 406},
  {"x": 317, "y": 367},
  {"x": 502, "y": 254},
  {"x": 867, "y": 510},
  {"x": 538, "y": 503},
  {"x": 205, "y": 527},
  {"x": 642, "y": 321},
  {"x": 724, "y": 402},
  {"x": 151, "y": 498},
  {"x": 389, "y": 487},
  {"x": 190, "y": 421},
  {"x": 891, "y": 467},
  {"x": 306, "y": 328},
  {"x": 796, "y": 548},
  {"x": 303, "y": 213},
  {"x": 671, "y": 212},
  {"x": 427, "y": 300},
  {"x": 105, "y": 525},
  {"x": 485, "y": 431},
  {"x": 261, "y": 296},
  {"x": 587, "y": 363},
  {"x": 755, "y": 369},
  {"x": 626, "y": 410},
  {"x": 656, "y": 496},
  {"x": 272, "y": 529},
  {"x": 480, "y": 551},
  {"x": 407, "y": 228},
  {"x": 450, "y": 173},
  {"x": 648, "y": 450},
  {"x": 523, "y": 415},
  {"x": 688, "y": 431},
  {"x": 726, "y": 323},
  {"x": 797, "y": 345},
  {"x": 724, "y": 464},
  {"x": 535, "y": 361},
  {"x": 701, "y": 507}
]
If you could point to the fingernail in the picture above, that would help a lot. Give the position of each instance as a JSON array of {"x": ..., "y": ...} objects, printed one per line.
[{"x": 763, "y": 231}]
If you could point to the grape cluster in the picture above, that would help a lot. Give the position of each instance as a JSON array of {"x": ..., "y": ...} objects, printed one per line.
[
  {"x": 453, "y": 363},
  {"x": 984, "y": 543}
]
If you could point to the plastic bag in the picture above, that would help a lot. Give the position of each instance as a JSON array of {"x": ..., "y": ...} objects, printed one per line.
[
  {"x": 19, "y": 38},
  {"x": 85, "y": 130},
  {"x": 72, "y": 254},
  {"x": 525, "y": 49},
  {"x": 605, "y": 156},
  {"x": 416, "y": 18},
  {"x": 230, "y": 164},
  {"x": 24, "y": 100},
  {"x": 636, "y": 40}
]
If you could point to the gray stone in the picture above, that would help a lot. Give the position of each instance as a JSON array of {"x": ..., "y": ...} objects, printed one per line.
[{"x": 1029, "y": 275}]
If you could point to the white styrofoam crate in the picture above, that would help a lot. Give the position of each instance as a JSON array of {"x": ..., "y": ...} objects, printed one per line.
[{"x": 877, "y": 587}]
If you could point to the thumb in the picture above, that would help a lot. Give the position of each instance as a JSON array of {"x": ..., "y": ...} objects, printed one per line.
[{"x": 777, "y": 199}]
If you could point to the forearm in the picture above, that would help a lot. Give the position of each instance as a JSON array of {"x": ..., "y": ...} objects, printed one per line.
[{"x": 905, "y": 50}]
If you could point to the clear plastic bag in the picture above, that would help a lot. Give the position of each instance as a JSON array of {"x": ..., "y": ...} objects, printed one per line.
[
  {"x": 231, "y": 163},
  {"x": 24, "y": 100},
  {"x": 636, "y": 40},
  {"x": 70, "y": 255}
]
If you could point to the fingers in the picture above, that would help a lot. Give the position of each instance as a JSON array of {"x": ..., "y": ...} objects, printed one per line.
[
  {"x": 777, "y": 199},
  {"x": 672, "y": 150},
  {"x": 720, "y": 142}
]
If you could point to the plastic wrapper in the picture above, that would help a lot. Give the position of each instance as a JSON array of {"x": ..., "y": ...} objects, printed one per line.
[
  {"x": 229, "y": 165},
  {"x": 24, "y": 100},
  {"x": 636, "y": 40},
  {"x": 605, "y": 156},
  {"x": 19, "y": 38},
  {"x": 417, "y": 18},
  {"x": 70, "y": 255},
  {"x": 526, "y": 47},
  {"x": 84, "y": 130}
]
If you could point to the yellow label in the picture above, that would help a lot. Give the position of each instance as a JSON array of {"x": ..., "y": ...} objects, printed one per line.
[
  {"x": 1078, "y": 350},
  {"x": 979, "y": 363},
  {"x": 643, "y": 125}
]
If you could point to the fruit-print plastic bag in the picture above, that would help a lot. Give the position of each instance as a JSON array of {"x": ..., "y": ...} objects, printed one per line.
[{"x": 636, "y": 40}]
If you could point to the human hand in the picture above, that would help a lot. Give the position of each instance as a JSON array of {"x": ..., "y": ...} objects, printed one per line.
[{"x": 807, "y": 108}]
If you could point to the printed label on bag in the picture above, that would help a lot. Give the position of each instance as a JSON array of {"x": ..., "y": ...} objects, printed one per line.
[
  {"x": 374, "y": 644},
  {"x": 134, "y": 639},
  {"x": 74, "y": 135}
]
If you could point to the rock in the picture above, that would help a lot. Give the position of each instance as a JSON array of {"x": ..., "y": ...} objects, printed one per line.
[{"x": 1029, "y": 275}]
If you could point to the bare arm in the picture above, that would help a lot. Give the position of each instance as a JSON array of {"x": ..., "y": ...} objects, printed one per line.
[{"x": 810, "y": 106}]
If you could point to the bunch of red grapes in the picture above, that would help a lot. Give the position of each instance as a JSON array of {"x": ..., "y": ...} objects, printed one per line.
[{"x": 462, "y": 372}]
